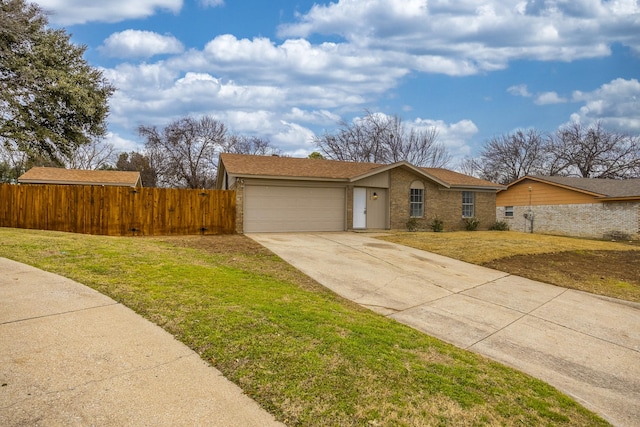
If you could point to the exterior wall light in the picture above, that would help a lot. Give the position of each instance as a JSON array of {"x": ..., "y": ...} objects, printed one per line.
[{"x": 375, "y": 196}]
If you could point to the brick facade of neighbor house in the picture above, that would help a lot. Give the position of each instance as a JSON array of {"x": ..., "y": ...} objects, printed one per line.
[
  {"x": 593, "y": 220},
  {"x": 445, "y": 204},
  {"x": 573, "y": 206}
]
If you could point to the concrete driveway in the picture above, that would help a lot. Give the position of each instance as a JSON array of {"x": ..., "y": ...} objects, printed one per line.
[{"x": 585, "y": 345}]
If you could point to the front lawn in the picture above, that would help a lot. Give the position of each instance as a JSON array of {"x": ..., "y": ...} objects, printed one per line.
[
  {"x": 600, "y": 267},
  {"x": 308, "y": 356}
]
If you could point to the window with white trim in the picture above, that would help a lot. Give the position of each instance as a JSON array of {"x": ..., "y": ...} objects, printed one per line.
[
  {"x": 416, "y": 200},
  {"x": 508, "y": 211},
  {"x": 468, "y": 202}
]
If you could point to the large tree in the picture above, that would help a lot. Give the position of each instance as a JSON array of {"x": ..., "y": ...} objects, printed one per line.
[
  {"x": 594, "y": 152},
  {"x": 380, "y": 138},
  {"x": 505, "y": 158},
  {"x": 184, "y": 153},
  {"x": 135, "y": 161},
  {"x": 573, "y": 150},
  {"x": 51, "y": 100}
]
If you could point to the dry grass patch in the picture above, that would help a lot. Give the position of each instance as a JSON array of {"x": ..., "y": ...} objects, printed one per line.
[
  {"x": 600, "y": 267},
  {"x": 479, "y": 247}
]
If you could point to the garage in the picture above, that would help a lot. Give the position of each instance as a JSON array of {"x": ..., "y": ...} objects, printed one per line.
[{"x": 270, "y": 208}]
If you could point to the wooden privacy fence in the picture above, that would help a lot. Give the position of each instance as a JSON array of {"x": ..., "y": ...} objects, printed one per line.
[{"x": 117, "y": 211}]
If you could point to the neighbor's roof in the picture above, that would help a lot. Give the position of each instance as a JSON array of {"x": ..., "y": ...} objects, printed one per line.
[
  {"x": 43, "y": 175},
  {"x": 603, "y": 188},
  {"x": 317, "y": 169}
]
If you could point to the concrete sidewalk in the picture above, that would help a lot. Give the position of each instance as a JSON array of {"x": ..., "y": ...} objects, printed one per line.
[
  {"x": 585, "y": 345},
  {"x": 74, "y": 357}
]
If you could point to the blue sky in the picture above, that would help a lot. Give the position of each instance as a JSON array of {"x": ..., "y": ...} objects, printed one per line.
[{"x": 287, "y": 70}]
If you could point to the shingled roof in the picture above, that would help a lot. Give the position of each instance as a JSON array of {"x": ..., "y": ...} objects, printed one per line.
[
  {"x": 44, "y": 175},
  {"x": 604, "y": 188},
  {"x": 456, "y": 179},
  {"x": 317, "y": 169},
  {"x": 293, "y": 167}
]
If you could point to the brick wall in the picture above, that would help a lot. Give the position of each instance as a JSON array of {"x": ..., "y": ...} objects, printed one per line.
[
  {"x": 440, "y": 202},
  {"x": 238, "y": 186},
  {"x": 595, "y": 220}
]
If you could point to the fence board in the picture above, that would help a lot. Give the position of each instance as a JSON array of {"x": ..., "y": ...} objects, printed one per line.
[{"x": 117, "y": 211}]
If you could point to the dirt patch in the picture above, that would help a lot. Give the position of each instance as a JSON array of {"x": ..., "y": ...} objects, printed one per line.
[
  {"x": 616, "y": 271},
  {"x": 219, "y": 244}
]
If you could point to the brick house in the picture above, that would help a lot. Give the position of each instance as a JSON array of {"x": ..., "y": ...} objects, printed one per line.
[
  {"x": 580, "y": 207},
  {"x": 301, "y": 194}
]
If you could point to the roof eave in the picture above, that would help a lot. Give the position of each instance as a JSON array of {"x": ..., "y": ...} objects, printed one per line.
[
  {"x": 384, "y": 168},
  {"x": 478, "y": 187},
  {"x": 566, "y": 187},
  {"x": 286, "y": 178},
  {"x": 52, "y": 182},
  {"x": 618, "y": 198}
]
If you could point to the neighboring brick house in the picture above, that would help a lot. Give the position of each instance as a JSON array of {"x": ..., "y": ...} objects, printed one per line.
[
  {"x": 60, "y": 176},
  {"x": 301, "y": 194},
  {"x": 580, "y": 207}
]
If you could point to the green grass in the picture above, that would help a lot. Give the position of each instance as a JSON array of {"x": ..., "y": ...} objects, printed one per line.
[{"x": 306, "y": 355}]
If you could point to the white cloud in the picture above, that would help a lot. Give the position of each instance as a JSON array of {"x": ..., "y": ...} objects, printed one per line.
[
  {"x": 140, "y": 44},
  {"x": 454, "y": 136},
  {"x": 121, "y": 144},
  {"x": 70, "y": 12},
  {"x": 615, "y": 104},
  {"x": 299, "y": 59},
  {"x": 519, "y": 90},
  {"x": 317, "y": 117},
  {"x": 287, "y": 90},
  {"x": 546, "y": 98},
  {"x": 293, "y": 139},
  {"x": 212, "y": 3},
  {"x": 543, "y": 98},
  {"x": 466, "y": 37}
]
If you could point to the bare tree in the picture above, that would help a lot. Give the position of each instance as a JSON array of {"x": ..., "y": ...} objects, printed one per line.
[
  {"x": 379, "y": 138},
  {"x": 249, "y": 145},
  {"x": 593, "y": 152},
  {"x": 508, "y": 157},
  {"x": 184, "y": 153},
  {"x": 13, "y": 163},
  {"x": 97, "y": 154}
]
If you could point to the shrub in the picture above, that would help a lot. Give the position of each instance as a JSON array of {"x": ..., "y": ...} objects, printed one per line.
[
  {"x": 471, "y": 224},
  {"x": 412, "y": 224},
  {"x": 437, "y": 225},
  {"x": 500, "y": 226}
]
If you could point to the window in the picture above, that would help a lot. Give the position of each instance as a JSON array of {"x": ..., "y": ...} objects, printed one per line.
[
  {"x": 416, "y": 200},
  {"x": 508, "y": 211},
  {"x": 468, "y": 204}
]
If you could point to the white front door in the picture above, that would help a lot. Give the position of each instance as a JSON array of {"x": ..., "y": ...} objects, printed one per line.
[{"x": 359, "y": 207}]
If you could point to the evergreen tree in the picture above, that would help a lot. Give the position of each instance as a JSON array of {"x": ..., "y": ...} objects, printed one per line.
[{"x": 51, "y": 100}]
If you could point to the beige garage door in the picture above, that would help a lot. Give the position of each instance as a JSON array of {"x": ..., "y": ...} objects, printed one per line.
[{"x": 273, "y": 208}]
